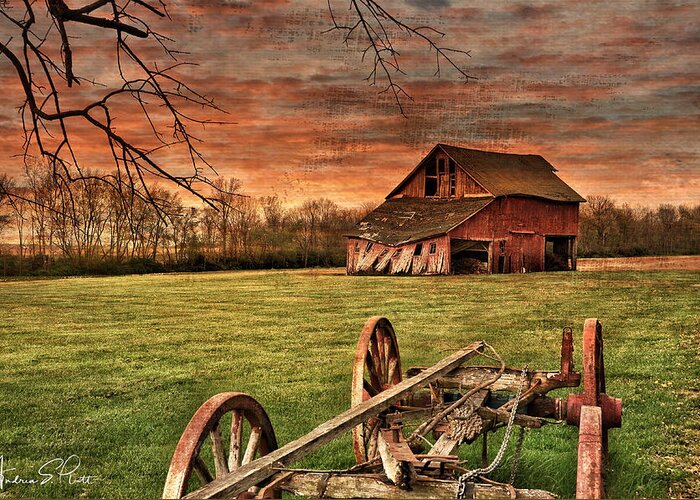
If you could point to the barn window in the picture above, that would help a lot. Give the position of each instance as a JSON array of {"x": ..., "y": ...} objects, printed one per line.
[
  {"x": 397, "y": 253},
  {"x": 419, "y": 249},
  {"x": 369, "y": 246},
  {"x": 357, "y": 246},
  {"x": 431, "y": 179},
  {"x": 502, "y": 246},
  {"x": 453, "y": 178},
  {"x": 433, "y": 248},
  {"x": 383, "y": 253}
]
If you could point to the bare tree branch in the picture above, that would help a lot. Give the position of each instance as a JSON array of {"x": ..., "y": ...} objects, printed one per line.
[
  {"x": 369, "y": 21},
  {"x": 49, "y": 113}
]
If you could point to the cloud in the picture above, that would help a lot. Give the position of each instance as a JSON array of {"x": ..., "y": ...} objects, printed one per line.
[{"x": 429, "y": 4}]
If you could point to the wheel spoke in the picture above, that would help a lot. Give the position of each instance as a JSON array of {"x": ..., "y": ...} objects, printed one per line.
[
  {"x": 382, "y": 352},
  {"x": 369, "y": 390},
  {"x": 206, "y": 424},
  {"x": 217, "y": 448},
  {"x": 373, "y": 441},
  {"x": 202, "y": 471},
  {"x": 393, "y": 365},
  {"x": 234, "y": 456},
  {"x": 377, "y": 364},
  {"x": 373, "y": 376},
  {"x": 252, "y": 447},
  {"x": 388, "y": 352}
]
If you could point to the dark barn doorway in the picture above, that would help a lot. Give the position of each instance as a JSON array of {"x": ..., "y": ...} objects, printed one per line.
[
  {"x": 559, "y": 253},
  {"x": 469, "y": 257}
]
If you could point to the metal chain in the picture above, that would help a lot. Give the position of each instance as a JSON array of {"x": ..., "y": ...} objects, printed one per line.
[
  {"x": 464, "y": 478},
  {"x": 517, "y": 456}
]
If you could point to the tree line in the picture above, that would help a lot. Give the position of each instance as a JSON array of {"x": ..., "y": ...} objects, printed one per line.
[
  {"x": 610, "y": 229},
  {"x": 95, "y": 230}
]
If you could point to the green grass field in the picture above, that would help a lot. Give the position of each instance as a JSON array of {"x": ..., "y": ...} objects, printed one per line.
[{"x": 112, "y": 369}]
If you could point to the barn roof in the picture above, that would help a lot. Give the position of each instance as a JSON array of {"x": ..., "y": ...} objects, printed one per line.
[
  {"x": 403, "y": 220},
  {"x": 505, "y": 174}
]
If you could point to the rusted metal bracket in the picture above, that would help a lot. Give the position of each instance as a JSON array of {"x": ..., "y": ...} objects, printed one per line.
[{"x": 594, "y": 412}]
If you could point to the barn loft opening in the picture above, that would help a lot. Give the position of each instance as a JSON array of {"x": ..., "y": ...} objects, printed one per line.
[
  {"x": 558, "y": 253},
  {"x": 440, "y": 178},
  {"x": 469, "y": 257}
]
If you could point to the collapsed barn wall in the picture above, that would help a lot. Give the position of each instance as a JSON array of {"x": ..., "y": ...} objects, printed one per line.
[{"x": 431, "y": 256}]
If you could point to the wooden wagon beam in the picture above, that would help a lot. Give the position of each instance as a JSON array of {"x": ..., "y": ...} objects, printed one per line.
[
  {"x": 253, "y": 473},
  {"x": 468, "y": 377},
  {"x": 323, "y": 485}
]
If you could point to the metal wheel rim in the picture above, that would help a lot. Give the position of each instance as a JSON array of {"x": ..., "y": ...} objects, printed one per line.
[
  {"x": 377, "y": 342},
  {"x": 203, "y": 424}
]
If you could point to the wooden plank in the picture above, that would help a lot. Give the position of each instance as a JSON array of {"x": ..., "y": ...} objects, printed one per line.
[
  {"x": 468, "y": 377},
  {"x": 503, "y": 416},
  {"x": 419, "y": 261},
  {"x": 397, "y": 460},
  {"x": 403, "y": 263},
  {"x": 366, "y": 262},
  {"x": 383, "y": 262},
  {"x": 318, "y": 484},
  {"x": 445, "y": 445},
  {"x": 251, "y": 474}
]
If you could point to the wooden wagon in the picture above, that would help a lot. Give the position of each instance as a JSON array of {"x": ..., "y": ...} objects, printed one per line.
[{"x": 393, "y": 418}]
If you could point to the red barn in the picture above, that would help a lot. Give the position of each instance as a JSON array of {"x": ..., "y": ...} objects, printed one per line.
[{"x": 464, "y": 210}]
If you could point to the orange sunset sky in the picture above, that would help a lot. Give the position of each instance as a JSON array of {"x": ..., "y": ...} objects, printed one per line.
[{"x": 606, "y": 91}]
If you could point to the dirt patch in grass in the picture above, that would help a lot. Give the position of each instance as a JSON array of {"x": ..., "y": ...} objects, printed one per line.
[{"x": 662, "y": 263}]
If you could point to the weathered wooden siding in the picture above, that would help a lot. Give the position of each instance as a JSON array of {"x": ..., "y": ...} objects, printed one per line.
[
  {"x": 414, "y": 187},
  {"x": 383, "y": 259},
  {"x": 520, "y": 225},
  {"x": 504, "y": 215},
  {"x": 465, "y": 185}
]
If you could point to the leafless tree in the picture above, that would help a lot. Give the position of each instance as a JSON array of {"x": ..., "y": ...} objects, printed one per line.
[
  {"x": 245, "y": 218},
  {"x": 273, "y": 211},
  {"x": 228, "y": 194},
  {"x": 600, "y": 210},
  {"x": 208, "y": 222}
]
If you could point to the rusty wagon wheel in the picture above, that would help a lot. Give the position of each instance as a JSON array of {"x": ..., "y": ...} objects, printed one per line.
[
  {"x": 248, "y": 418},
  {"x": 377, "y": 367}
]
